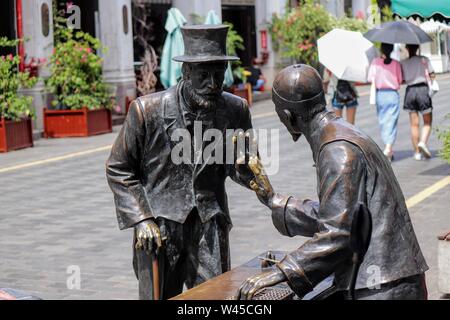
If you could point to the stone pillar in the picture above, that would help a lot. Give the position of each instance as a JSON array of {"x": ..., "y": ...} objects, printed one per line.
[
  {"x": 38, "y": 29},
  {"x": 334, "y": 7},
  {"x": 198, "y": 7},
  {"x": 361, "y": 7},
  {"x": 264, "y": 9},
  {"x": 116, "y": 33}
]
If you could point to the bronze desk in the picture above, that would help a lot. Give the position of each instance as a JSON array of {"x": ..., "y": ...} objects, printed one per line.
[{"x": 224, "y": 287}]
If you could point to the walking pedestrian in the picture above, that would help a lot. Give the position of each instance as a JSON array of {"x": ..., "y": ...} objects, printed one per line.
[
  {"x": 343, "y": 95},
  {"x": 386, "y": 74},
  {"x": 417, "y": 70}
]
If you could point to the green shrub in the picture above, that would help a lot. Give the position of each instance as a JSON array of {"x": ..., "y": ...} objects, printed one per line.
[
  {"x": 295, "y": 33},
  {"x": 351, "y": 24},
  {"x": 444, "y": 136},
  {"x": 12, "y": 105},
  {"x": 76, "y": 72},
  {"x": 298, "y": 30},
  {"x": 235, "y": 42}
]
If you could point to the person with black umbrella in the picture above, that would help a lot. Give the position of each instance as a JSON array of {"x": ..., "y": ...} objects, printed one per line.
[
  {"x": 417, "y": 70},
  {"x": 386, "y": 74}
]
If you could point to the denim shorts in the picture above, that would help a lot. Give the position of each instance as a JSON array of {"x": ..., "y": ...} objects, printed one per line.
[{"x": 340, "y": 105}]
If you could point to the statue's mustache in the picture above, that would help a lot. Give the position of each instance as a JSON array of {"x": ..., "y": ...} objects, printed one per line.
[{"x": 208, "y": 92}]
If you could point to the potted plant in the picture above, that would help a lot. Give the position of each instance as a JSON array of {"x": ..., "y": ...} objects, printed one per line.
[
  {"x": 443, "y": 133},
  {"x": 15, "y": 111},
  {"x": 33, "y": 66},
  {"x": 82, "y": 104},
  {"x": 240, "y": 86}
]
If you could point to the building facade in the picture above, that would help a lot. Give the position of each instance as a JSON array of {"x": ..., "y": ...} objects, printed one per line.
[{"x": 112, "y": 22}]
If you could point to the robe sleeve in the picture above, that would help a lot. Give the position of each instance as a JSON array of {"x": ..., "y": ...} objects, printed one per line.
[{"x": 341, "y": 175}]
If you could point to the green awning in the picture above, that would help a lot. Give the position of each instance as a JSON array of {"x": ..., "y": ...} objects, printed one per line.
[{"x": 423, "y": 8}]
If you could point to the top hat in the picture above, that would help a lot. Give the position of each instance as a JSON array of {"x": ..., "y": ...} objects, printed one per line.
[{"x": 205, "y": 43}]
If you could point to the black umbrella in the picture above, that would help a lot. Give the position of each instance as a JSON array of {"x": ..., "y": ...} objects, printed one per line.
[{"x": 398, "y": 32}]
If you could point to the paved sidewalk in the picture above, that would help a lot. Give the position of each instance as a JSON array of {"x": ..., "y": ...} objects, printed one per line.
[{"x": 59, "y": 214}]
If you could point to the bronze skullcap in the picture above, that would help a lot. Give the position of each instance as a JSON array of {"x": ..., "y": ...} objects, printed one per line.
[{"x": 298, "y": 88}]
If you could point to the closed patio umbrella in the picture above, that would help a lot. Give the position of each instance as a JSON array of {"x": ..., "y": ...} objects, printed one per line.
[
  {"x": 173, "y": 46},
  {"x": 213, "y": 18},
  {"x": 398, "y": 32}
]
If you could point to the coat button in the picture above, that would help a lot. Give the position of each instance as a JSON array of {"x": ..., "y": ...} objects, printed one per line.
[{"x": 200, "y": 197}]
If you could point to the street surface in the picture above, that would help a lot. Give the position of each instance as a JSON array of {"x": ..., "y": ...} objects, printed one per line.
[{"x": 57, "y": 213}]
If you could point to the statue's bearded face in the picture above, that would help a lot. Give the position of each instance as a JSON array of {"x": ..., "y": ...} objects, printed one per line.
[{"x": 204, "y": 82}]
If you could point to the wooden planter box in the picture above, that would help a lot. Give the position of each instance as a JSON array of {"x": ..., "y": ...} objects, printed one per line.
[
  {"x": 245, "y": 93},
  {"x": 15, "y": 134},
  {"x": 76, "y": 123}
]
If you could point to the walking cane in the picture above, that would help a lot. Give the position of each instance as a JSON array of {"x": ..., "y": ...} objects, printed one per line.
[
  {"x": 155, "y": 273},
  {"x": 155, "y": 269}
]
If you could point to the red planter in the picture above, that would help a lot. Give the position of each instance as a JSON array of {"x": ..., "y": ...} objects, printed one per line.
[
  {"x": 245, "y": 93},
  {"x": 76, "y": 123},
  {"x": 128, "y": 102},
  {"x": 15, "y": 134}
]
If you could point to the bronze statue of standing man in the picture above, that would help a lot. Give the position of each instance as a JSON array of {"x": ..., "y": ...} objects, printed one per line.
[{"x": 179, "y": 211}]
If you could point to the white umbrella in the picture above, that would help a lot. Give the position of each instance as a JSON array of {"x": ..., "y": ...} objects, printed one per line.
[{"x": 347, "y": 54}]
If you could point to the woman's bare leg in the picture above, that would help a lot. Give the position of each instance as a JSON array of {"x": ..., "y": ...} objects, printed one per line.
[
  {"x": 351, "y": 112},
  {"x": 338, "y": 112},
  {"x": 426, "y": 130},
  {"x": 415, "y": 130}
]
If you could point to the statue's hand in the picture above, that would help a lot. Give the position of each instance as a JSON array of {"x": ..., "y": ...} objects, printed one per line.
[
  {"x": 253, "y": 284},
  {"x": 260, "y": 183},
  {"x": 148, "y": 236},
  {"x": 249, "y": 166}
]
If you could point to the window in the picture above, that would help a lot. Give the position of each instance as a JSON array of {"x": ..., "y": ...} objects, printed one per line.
[
  {"x": 45, "y": 19},
  {"x": 348, "y": 8},
  {"x": 125, "y": 19}
]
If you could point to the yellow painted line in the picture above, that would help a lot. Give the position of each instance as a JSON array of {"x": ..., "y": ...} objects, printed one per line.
[
  {"x": 422, "y": 195},
  {"x": 263, "y": 115},
  {"x": 54, "y": 159},
  {"x": 411, "y": 202}
]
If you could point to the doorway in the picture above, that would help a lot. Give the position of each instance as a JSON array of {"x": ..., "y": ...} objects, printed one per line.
[
  {"x": 244, "y": 22},
  {"x": 89, "y": 14},
  {"x": 7, "y": 25}
]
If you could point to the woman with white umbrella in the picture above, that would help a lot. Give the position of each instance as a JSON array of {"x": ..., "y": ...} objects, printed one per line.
[
  {"x": 343, "y": 93},
  {"x": 346, "y": 56}
]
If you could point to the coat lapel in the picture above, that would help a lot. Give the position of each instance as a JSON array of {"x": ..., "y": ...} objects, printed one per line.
[
  {"x": 173, "y": 118},
  {"x": 221, "y": 122}
]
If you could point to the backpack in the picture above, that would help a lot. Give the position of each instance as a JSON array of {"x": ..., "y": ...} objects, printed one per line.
[{"x": 344, "y": 92}]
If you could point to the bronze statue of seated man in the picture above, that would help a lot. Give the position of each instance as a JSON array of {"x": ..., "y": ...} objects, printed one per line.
[{"x": 353, "y": 177}]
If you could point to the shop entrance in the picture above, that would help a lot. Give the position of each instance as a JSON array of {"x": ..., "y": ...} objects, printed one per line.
[
  {"x": 89, "y": 14},
  {"x": 7, "y": 24},
  {"x": 243, "y": 20}
]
